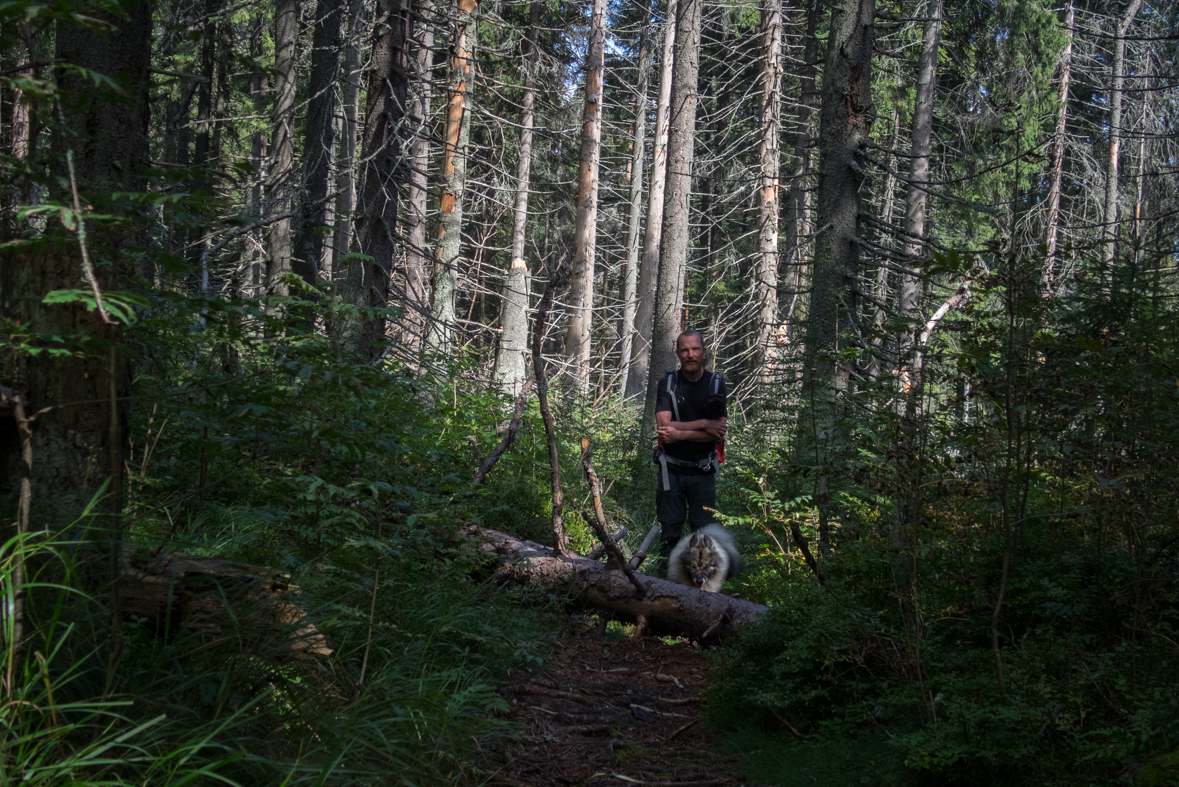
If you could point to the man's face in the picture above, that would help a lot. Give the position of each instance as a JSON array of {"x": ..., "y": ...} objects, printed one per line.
[{"x": 690, "y": 351}]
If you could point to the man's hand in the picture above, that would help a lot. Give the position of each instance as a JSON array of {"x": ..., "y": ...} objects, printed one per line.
[
  {"x": 717, "y": 428},
  {"x": 670, "y": 434}
]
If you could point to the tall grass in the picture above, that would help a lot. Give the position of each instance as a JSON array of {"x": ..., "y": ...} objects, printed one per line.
[{"x": 187, "y": 708}]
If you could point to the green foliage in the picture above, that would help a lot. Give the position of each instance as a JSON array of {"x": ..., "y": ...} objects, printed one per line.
[{"x": 1049, "y": 483}]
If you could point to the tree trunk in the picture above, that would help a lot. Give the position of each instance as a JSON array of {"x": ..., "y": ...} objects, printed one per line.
[
  {"x": 1056, "y": 156},
  {"x": 677, "y": 235},
  {"x": 382, "y": 151},
  {"x": 318, "y": 136},
  {"x": 454, "y": 176},
  {"x": 81, "y": 441},
  {"x": 845, "y": 119},
  {"x": 635, "y": 216},
  {"x": 797, "y": 222},
  {"x": 282, "y": 144},
  {"x": 910, "y": 284},
  {"x": 636, "y": 383},
  {"x": 667, "y": 607},
  {"x": 346, "y": 152},
  {"x": 765, "y": 283},
  {"x": 880, "y": 287},
  {"x": 1109, "y": 232},
  {"x": 417, "y": 280},
  {"x": 581, "y": 289},
  {"x": 513, "y": 345},
  {"x": 259, "y": 147}
]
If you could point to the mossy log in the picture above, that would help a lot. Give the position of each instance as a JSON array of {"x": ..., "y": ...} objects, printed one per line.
[
  {"x": 665, "y": 608},
  {"x": 218, "y": 600}
]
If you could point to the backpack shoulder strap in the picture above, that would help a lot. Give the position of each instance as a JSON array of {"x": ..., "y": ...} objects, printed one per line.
[
  {"x": 675, "y": 405},
  {"x": 714, "y": 386}
]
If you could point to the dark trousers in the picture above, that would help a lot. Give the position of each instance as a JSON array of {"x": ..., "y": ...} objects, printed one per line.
[{"x": 687, "y": 499}]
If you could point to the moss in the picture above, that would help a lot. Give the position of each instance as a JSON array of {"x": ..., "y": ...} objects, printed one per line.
[{"x": 1162, "y": 771}]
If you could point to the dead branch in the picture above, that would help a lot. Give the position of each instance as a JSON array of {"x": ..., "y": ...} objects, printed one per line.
[
  {"x": 542, "y": 398},
  {"x": 615, "y": 553},
  {"x": 509, "y": 436},
  {"x": 641, "y": 555},
  {"x": 597, "y": 552}
]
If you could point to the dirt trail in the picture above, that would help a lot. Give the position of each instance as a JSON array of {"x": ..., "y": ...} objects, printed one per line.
[{"x": 614, "y": 712}]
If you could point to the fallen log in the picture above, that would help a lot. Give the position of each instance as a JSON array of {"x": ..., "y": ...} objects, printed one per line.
[
  {"x": 218, "y": 599},
  {"x": 667, "y": 608}
]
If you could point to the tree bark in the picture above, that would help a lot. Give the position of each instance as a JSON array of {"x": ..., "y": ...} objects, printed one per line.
[
  {"x": 259, "y": 146},
  {"x": 636, "y": 384},
  {"x": 542, "y": 399},
  {"x": 845, "y": 119},
  {"x": 635, "y": 216},
  {"x": 669, "y": 608},
  {"x": 677, "y": 236},
  {"x": 318, "y": 139},
  {"x": 346, "y": 152},
  {"x": 513, "y": 344},
  {"x": 767, "y": 200},
  {"x": 1056, "y": 155},
  {"x": 417, "y": 279},
  {"x": 1109, "y": 232},
  {"x": 797, "y": 222},
  {"x": 581, "y": 290},
  {"x": 910, "y": 284},
  {"x": 382, "y": 156},
  {"x": 282, "y": 144},
  {"x": 454, "y": 176},
  {"x": 81, "y": 441}
]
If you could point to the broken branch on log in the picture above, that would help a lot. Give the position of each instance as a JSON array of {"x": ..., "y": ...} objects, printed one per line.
[
  {"x": 615, "y": 553},
  {"x": 670, "y": 609},
  {"x": 641, "y": 555},
  {"x": 597, "y": 552}
]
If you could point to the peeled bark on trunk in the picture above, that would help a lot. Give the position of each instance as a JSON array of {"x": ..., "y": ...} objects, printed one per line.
[
  {"x": 677, "y": 235},
  {"x": 635, "y": 216},
  {"x": 581, "y": 290},
  {"x": 282, "y": 144},
  {"x": 668, "y": 608},
  {"x": 910, "y": 284},
  {"x": 1056, "y": 154},
  {"x": 346, "y": 151},
  {"x": 769, "y": 154},
  {"x": 1109, "y": 231},
  {"x": 318, "y": 139},
  {"x": 513, "y": 343},
  {"x": 417, "y": 279},
  {"x": 382, "y": 154},
  {"x": 454, "y": 176},
  {"x": 636, "y": 384},
  {"x": 846, "y": 117}
]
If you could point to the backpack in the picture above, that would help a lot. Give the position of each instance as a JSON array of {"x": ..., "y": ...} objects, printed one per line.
[{"x": 660, "y": 456}]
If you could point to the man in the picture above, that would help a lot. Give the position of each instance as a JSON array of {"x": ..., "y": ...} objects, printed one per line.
[{"x": 691, "y": 417}]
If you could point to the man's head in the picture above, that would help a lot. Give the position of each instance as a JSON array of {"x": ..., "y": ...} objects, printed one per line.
[{"x": 689, "y": 349}]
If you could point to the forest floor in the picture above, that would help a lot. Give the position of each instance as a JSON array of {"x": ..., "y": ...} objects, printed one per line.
[{"x": 614, "y": 712}]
